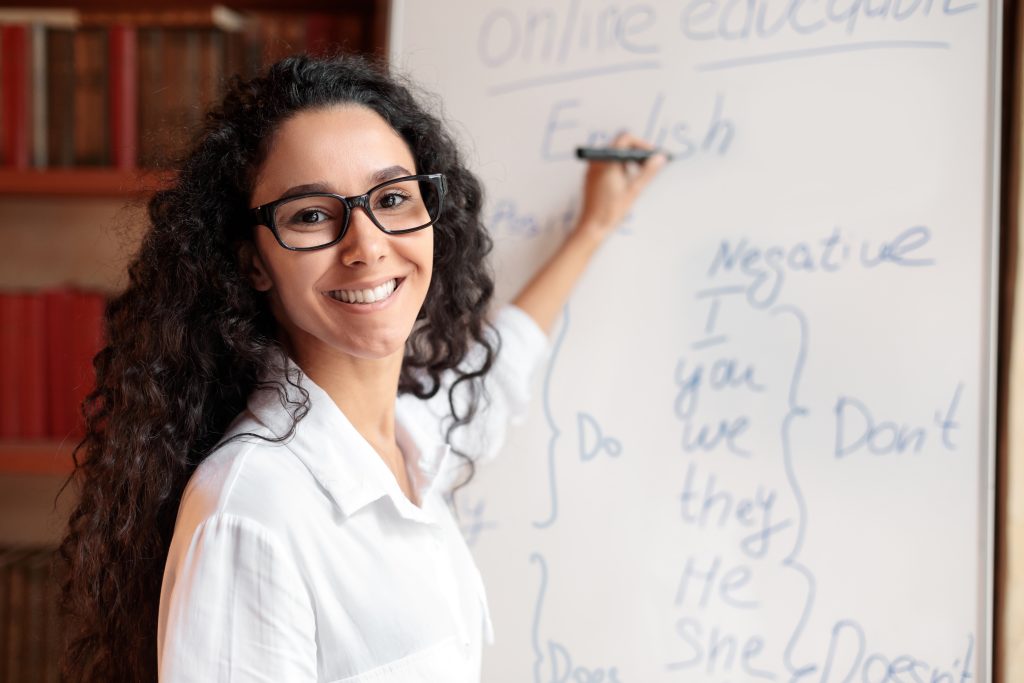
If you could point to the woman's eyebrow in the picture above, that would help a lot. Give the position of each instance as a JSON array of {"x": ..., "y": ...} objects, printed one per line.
[
  {"x": 376, "y": 178},
  {"x": 306, "y": 188},
  {"x": 388, "y": 173}
]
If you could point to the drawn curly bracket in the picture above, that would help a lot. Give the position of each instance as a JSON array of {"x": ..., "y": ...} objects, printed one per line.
[{"x": 549, "y": 417}]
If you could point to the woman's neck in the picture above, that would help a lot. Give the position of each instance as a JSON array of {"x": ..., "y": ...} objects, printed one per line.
[{"x": 363, "y": 389}]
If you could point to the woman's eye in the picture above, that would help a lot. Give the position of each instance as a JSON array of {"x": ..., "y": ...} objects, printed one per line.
[
  {"x": 312, "y": 216},
  {"x": 392, "y": 200}
]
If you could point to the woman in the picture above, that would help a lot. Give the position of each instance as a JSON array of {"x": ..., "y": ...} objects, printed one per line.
[{"x": 302, "y": 342}]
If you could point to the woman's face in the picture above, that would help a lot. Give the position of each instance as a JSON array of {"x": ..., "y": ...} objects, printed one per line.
[{"x": 345, "y": 150}]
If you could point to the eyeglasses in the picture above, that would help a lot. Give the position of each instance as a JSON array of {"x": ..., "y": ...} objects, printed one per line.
[{"x": 320, "y": 219}]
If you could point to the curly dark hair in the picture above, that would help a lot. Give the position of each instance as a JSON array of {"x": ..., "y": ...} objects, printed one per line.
[{"x": 189, "y": 338}]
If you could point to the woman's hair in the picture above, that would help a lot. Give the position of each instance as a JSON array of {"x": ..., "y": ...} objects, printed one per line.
[{"x": 189, "y": 339}]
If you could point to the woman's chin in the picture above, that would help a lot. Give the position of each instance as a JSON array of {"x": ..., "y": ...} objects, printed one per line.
[{"x": 379, "y": 347}]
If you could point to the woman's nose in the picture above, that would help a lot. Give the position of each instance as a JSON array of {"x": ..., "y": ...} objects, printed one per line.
[{"x": 363, "y": 243}]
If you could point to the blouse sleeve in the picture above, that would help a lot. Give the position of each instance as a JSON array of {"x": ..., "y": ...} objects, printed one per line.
[
  {"x": 237, "y": 610},
  {"x": 507, "y": 386}
]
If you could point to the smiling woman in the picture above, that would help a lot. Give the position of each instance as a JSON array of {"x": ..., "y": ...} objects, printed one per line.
[{"x": 291, "y": 381}]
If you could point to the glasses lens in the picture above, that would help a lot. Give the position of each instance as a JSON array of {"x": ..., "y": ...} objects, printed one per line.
[
  {"x": 306, "y": 222},
  {"x": 406, "y": 204}
]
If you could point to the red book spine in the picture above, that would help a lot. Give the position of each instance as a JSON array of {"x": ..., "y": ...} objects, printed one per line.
[
  {"x": 124, "y": 95},
  {"x": 86, "y": 342},
  {"x": 16, "y": 610},
  {"x": 14, "y": 44},
  {"x": 91, "y": 127},
  {"x": 3, "y": 98},
  {"x": 10, "y": 364},
  {"x": 33, "y": 359},
  {"x": 60, "y": 407}
]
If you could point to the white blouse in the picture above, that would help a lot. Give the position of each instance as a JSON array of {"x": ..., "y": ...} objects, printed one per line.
[{"x": 305, "y": 561}]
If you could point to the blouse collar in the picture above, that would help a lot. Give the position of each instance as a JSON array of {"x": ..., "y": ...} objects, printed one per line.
[{"x": 341, "y": 460}]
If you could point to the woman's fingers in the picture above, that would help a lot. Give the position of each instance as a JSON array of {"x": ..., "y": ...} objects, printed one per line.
[
  {"x": 648, "y": 170},
  {"x": 644, "y": 171},
  {"x": 612, "y": 187}
]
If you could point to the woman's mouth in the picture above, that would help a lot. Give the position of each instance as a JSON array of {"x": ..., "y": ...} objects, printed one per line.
[{"x": 366, "y": 296}]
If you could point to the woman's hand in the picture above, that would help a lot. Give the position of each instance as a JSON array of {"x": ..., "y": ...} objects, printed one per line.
[
  {"x": 611, "y": 187},
  {"x": 609, "y": 191}
]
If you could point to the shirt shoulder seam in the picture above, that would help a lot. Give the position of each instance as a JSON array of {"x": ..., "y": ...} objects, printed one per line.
[
  {"x": 265, "y": 535},
  {"x": 241, "y": 461}
]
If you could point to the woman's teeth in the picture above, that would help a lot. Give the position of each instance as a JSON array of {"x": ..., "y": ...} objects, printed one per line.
[{"x": 364, "y": 296}]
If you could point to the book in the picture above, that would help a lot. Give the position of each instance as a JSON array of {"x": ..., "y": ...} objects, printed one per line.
[
  {"x": 60, "y": 101},
  {"x": 24, "y": 54},
  {"x": 17, "y": 607},
  {"x": 48, "y": 340},
  {"x": 212, "y": 57},
  {"x": 124, "y": 95},
  {"x": 191, "y": 97},
  {"x": 86, "y": 340},
  {"x": 91, "y": 145},
  {"x": 29, "y": 622},
  {"x": 3, "y": 114},
  {"x": 60, "y": 408},
  {"x": 32, "y": 653},
  {"x": 150, "y": 80},
  {"x": 31, "y": 354},
  {"x": 11, "y": 311},
  {"x": 175, "y": 96},
  {"x": 5, "y": 604},
  {"x": 44, "y": 603},
  {"x": 52, "y": 622},
  {"x": 14, "y": 65},
  {"x": 37, "y": 94}
]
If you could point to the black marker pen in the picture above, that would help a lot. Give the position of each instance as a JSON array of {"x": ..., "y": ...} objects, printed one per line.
[{"x": 617, "y": 154}]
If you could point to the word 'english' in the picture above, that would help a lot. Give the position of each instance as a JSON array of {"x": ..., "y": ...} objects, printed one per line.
[{"x": 564, "y": 130}]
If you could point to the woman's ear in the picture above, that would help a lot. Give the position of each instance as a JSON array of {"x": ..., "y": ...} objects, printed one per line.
[{"x": 253, "y": 268}]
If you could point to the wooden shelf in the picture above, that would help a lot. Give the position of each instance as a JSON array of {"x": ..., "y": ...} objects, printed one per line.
[
  {"x": 36, "y": 457},
  {"x": 80, "y": 182}
]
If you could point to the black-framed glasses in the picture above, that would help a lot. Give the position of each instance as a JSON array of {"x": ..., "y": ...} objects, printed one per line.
[{"x": 320, "y": 219}]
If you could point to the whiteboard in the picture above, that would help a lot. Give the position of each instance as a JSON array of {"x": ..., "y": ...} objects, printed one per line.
[{"x": 762, "y": 447}]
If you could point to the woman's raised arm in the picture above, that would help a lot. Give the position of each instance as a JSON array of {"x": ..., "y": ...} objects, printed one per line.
[{"x": 609, "y": 190}]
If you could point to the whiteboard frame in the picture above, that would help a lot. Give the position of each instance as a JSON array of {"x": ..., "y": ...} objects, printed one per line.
[{"x": 995, "y": 144}]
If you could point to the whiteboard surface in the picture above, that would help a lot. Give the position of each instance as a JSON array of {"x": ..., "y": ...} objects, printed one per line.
[{"x": 762, "y": 447}]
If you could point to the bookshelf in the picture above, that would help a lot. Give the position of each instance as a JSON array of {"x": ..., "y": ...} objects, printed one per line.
[
  {"x": 42, "y": 456},
  {"x": 79, "y": 182},
  {"x": 124, "y": 92},
  {"x": 98, "y": 97}
]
